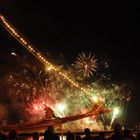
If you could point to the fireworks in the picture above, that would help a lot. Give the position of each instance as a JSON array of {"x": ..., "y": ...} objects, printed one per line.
[
  {"x": 115, "y": 113},
  {"x": 12, "y": 30},
  {"x": 31, "y": 87},
  {"x": 85, "y": 65}
]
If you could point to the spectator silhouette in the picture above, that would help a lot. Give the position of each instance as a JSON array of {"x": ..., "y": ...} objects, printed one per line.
[
  {"x": 2, "y": 136},
  {"x": 87, "y": 134},
  {"x": 12, "y": 135},
  {"x": 97, "y": 138},
  {"x": 127, "y": 135},
  {"x": 78, "y": 137},
  {"x": 117, "y": 133},
  {"x": 36, "y": 136},
  {"x": 102, "y": 135},
  {"x": 50, "y": 135},
  {"x": 70, "y": 136},
  {"x": 138, "y": 136}
]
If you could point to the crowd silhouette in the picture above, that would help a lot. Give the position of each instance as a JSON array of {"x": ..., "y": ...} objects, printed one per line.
[{"x": 49, "y": 134}]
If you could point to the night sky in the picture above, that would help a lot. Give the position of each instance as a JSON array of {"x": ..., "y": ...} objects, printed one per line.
[{"x": 110, "y": 32}]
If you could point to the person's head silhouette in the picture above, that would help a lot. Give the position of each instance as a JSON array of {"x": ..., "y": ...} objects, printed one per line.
[{"x": 87, "y": 131}]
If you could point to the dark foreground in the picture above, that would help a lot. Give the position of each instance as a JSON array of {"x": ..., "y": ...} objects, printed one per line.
[{"x": 107, "y": 134}]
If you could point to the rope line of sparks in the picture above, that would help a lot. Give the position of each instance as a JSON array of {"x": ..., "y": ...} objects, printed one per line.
[{"x": 13, "y": 31}]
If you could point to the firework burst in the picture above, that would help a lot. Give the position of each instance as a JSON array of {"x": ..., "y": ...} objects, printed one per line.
[
  {"x": 30, "y": 89},
  {"x": 85, "y": 65}
]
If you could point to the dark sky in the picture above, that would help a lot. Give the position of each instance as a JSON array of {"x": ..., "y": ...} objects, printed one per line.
[{"x": 70, "y": 28}]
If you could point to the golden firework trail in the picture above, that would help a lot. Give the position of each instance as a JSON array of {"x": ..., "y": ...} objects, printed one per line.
[{"x": 20, "y": 38}]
